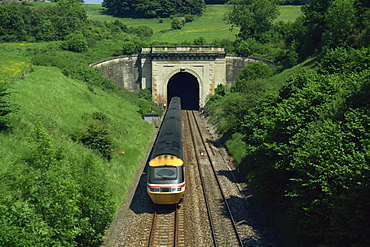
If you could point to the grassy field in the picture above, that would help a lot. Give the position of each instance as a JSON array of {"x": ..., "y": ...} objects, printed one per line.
[
  {"x": 209, "y": 26},
  {"x": 289, "y": 13}
]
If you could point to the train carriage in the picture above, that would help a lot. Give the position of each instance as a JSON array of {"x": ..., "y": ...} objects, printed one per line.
[{"x": 166, "y": 178}]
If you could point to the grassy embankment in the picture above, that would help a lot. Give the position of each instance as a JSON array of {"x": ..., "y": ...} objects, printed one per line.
[{"x": 60, "y": 103}]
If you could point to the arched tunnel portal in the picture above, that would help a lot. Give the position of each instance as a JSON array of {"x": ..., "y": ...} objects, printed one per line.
[{"x": 185, "y": 86}]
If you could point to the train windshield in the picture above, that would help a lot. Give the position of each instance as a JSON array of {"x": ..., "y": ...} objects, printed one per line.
[{"x": 165, "y": 173}]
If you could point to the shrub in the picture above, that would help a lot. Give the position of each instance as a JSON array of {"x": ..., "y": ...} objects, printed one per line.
[
  {"x": 255, "y": 71},
  {"x": 75, "y": 42},
  {"x": 96, "y": 135},
  {"x": 199, "y": 41},
  {"x": 178, "y": 23},
  {"x": 221, "y": 89},
  {"x": 249, "y": 47},
  {"x": 132, "y": 47},
  {"x": 145, "y": 94},
  {"x": 5, "y": 106},
  {"x": 141, "y": 31}
]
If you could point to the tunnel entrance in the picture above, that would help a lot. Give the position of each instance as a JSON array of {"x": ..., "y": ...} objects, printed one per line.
[{"x": 185, "y": 86}]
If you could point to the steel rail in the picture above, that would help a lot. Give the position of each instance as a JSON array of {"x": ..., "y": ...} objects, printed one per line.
[
  {"x": 219, "y": 184},
  {"x": 203, "y": 187}
]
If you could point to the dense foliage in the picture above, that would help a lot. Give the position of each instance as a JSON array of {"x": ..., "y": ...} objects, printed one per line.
[
  {"x": 19, "y": 23},
  {"x": 65, "y": 21},
  {"x": 306, "y": 148},
  {"x": 330, "y": 24},
  {"x": 153, "y": 8},
  {"x": 53, "y": 199},
  {"x": 253, "y": 17}
]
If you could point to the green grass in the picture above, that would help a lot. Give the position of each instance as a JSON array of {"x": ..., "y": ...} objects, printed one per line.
[
  {"x": 278, "y": 80},
  {"x": 288, "y": 13},
  {"x": 13, "y": 61},
  {"x": 17, "y": 57},
  {"x": 209, "y": 26},
  {"x": 60, "y": 103}
]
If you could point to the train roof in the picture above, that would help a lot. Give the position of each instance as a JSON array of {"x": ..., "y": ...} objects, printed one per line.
[{"x": 169, "y": 139}]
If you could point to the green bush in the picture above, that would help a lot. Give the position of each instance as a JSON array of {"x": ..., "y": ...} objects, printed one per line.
[
  {"x": 96, "y": 135},
  {"x": 237, "y": 147},
  {"x": 132, "y": 47},
  {"x": 5, "y": 106},
  {"x": 178, "y": 23},
  {"x": 145, "y": 93},
  {"x": 199, "y": 41},
  {"x": 257, "y": 70},
  {"x": 250, "y": 47},
  {"x": 141, "y": 31},
  {"x": 75, "y": 42}
]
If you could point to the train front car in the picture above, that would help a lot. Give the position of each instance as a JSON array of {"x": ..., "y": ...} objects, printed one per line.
[{"x": 166, "y": 182}]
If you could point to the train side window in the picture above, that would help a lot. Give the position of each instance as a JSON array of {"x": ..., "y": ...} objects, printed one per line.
[{"x": 165, "y": 173}]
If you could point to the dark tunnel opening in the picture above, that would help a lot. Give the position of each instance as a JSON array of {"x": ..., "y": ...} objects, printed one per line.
[{"x": 185, "y": 86}]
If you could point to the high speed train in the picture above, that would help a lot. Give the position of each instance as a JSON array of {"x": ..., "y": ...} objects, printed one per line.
[{"x": 166, "y": 178}]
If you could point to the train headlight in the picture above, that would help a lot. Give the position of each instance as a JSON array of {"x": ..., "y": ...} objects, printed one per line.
[{"x": 154, "y": 189}]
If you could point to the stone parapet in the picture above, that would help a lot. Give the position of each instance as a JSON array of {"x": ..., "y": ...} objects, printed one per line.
[{"x": 189, "y": 50}]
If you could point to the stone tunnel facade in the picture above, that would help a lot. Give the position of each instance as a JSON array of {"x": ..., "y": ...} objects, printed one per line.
[{"x": 191, "y": 72}]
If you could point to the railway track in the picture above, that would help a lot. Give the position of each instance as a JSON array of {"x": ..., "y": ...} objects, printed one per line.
[
  {"x": 167, "y": 226},
  {"x": 141, "y": 223},
  {"x": 222, "y": 224}
]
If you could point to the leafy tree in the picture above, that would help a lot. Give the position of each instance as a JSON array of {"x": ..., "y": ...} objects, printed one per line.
[
  {"x": 154, "y": 8},
  {"x": 216, "y": 1},
  {"x": 331, "y": 24},
  {"x": 339, "y": 29},
  {"x": 12, "y": 23},
  {"x": 293, "y": 2},
  {"x": 306, "y": 149},
  {"x": 227, "y": 44},
  {"x": 20, "y": 23},
  {"x": 145, "y": 93},
  {"x": 253, "y": 17}
]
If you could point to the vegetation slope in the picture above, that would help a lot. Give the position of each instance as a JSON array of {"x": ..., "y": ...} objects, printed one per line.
[{"x": 302, "y": 142}]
